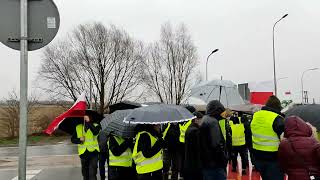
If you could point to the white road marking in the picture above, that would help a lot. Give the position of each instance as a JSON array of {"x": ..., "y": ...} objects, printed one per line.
[{"x": 30, "y": 174}]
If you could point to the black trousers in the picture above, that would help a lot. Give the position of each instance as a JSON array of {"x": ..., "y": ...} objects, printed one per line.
[
  {"x": 180, "y": 156},
  {"x": 102, "y": 162},
  {"x": 157, "y": 175},
  {"x": 170, "y": 159},
  {"x": 193, "y": 175},
  {"x": 89, "y": 165},
  {"x": 121, "y": 173},
  {"x": 243, "y": 151}
]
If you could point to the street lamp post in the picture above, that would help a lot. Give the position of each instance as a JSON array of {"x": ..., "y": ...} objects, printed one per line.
[
  {"x": 207, "y": 62},
  {"x": 312, "y": 69},
  {"x": 282, "y": 78},
  {"x": 274, "y": 56}
]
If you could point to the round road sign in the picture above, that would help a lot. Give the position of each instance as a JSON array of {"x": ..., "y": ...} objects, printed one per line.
[{"x": 43, "y": 23}]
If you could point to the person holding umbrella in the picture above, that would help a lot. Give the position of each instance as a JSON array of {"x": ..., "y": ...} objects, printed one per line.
[
  {"x": 85, "y": 136},
  {"x": 120, "y": 145},
  {"x": 148, "y": 148},
  {"x": 120, "y": 158},
  {"x": 147, "y": 152}
]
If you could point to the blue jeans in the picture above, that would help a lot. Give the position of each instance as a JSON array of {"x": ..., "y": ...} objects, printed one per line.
[
  {"x": 214, "y": 174},
  {"x": 269, "y": 170}
]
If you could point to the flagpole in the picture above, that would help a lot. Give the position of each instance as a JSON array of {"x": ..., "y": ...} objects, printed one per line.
[
  {"x": 90, "y": 94},
  {"x": 83, "y": 127}
]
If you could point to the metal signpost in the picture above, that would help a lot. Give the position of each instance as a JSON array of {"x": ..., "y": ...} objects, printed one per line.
[{"x": 26, "y": 26}]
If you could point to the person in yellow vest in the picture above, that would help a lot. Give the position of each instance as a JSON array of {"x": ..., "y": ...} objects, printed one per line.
[
  {"x": 226, "y": 130},
  {"x": 88, "y": 148},
  {"x": 239, "y": 131},
  {"x": 183, "y": 126},
  {"x": 267, "y": 126},
  {"x": 170, "y": 136},
  {"x": 147, "y": 152},
  {"x": 120, "y": 158}
]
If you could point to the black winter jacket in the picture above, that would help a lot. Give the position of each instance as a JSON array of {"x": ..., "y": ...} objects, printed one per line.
[
  {"x": 192, "y": 162},
  {"x": 117, "y": 149},
  {"x": 171, "y": 141},
  {"x": 213, "y": 144},
  {"x": 144, "y": 144}
]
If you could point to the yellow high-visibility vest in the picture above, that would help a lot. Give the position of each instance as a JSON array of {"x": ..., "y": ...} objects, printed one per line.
[
  {"x": 222, "y": 124},
  {"x": 91, "y": 141},
  {"x": 183, "y": 128},
  {"x": 147, "y": 165},
  {"x": 263, "y": 136},
  {"x": 238, "y": 135},
  {"x": 166, "y": 131},
  {"x": 124, "y": 160}
]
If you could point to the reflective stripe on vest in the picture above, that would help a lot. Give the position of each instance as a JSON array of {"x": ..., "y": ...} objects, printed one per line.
[
  {"x": 183, "y": 128},
  {"x": 238, "y": 135},
  {"x": 222, "y": 124},
  {"x": 166, "y": 131},
  {"x": 124, "y": 160},
  {"x": 263, "y": 136},
  {"x": 143, "y": 164},
  {"x": 90, "y": 143}
]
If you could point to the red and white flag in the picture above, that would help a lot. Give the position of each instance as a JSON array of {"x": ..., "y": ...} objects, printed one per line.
[
  {"x": 77, "y": 110},
  {"x": 260, "y": 92}
]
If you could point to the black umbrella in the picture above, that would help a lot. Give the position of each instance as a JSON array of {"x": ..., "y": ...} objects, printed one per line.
[
  {"x": 123, "y": 105},
  {"x": 159, "y": 114},
  {"x": 69, "y": 124},
  {"x": 113, "y": 123},
  {"x": 309, "y": 113}
]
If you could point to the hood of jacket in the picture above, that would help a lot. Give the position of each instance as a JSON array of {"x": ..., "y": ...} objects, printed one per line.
[
  {"x": 296, "y": 127},
  {"x": 215, "y": 108}
]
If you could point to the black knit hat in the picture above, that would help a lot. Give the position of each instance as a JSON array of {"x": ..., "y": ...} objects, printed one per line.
[
  {"x": 215, "y": 108},
  {"x": 274, "y": 103}
]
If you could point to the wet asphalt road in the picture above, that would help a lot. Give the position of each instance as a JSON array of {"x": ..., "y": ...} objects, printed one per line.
[
  {"x": 47, "y": 150},
  {"x": 49, "y": 162},
  {"x": 70, "y": 173}
]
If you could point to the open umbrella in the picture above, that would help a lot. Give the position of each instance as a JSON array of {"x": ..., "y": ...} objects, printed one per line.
[
  {"x": 309, "y": 113},
  {"x": 158, "y": 114},
  {"x": 69, "y": 124},
  {"x": 123, "y": 105},
  {"x": 246, "y": 108},
  {"x": 223, "y": 90},
  {"x": 113, "y": 123}
]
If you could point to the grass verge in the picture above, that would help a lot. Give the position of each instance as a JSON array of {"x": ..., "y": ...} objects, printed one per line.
[{"x": 36, "y": 139}]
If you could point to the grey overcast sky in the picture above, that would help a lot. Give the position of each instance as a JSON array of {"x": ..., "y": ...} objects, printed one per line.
[{"x": 241, "y": 29}]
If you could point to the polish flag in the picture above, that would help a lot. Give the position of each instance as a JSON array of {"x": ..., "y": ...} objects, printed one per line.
[
  {"x": 260, "y": 92},
  {"x": 77, "y": 110}
]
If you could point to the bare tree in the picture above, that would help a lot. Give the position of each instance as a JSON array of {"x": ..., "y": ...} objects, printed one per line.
[
  {"x": 107, "y": 56},
  {"x": 10, "y": 111},
  {"x": 169, "y": 65}
]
